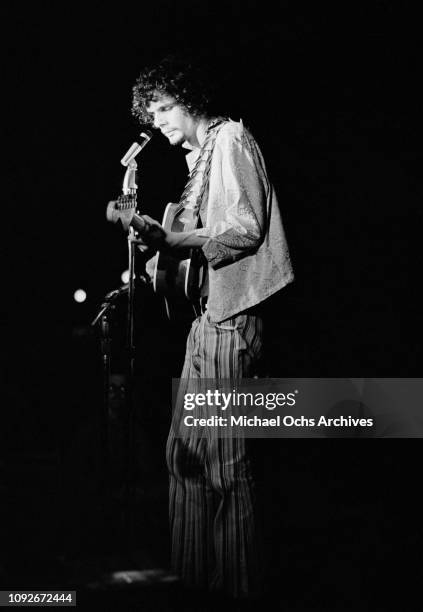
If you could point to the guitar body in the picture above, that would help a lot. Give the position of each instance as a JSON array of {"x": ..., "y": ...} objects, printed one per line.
[{"x": 178, "y": 276}]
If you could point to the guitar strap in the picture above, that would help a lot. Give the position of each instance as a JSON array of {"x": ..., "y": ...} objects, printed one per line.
[{"x": 192, "y": 201}]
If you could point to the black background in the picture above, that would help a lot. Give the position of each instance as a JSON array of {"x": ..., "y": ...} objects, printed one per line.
[{"x": 332, "y": 94}]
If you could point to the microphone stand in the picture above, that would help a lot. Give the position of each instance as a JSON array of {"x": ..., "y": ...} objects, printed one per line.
[
  {"x": 135, "y": 280},
  {"x": 129, "y": 189},
  {"x": 129, "y": 497}
]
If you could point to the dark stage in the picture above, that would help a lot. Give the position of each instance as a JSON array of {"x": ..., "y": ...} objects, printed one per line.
[{"x": 332, "y": 96}]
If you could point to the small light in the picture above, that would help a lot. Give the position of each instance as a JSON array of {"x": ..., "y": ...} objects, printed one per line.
[
  {"x": 80, "y": 296},
  {"x": 125, "y": 277}
]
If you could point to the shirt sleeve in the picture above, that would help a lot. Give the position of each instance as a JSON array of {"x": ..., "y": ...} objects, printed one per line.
[{"x": 241, "y": 200}]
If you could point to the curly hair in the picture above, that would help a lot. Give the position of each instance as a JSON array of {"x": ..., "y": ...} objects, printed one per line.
[{"x": 176, "y": 77}]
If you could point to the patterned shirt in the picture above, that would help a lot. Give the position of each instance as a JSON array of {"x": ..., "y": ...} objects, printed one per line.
[{"x": 247, "y": 250}]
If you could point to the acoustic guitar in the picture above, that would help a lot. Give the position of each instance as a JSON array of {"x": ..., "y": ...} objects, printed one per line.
[{"x": 178, "y": 276}]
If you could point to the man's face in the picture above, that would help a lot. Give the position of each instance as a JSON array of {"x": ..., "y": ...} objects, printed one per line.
[{"x": 173, "y": 120}]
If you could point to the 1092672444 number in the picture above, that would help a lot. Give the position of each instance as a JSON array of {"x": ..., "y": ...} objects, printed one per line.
[{"x": 38, "y": 598}]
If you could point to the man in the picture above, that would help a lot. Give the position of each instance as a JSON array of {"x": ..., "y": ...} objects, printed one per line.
[{"x": 212, "y": 508}]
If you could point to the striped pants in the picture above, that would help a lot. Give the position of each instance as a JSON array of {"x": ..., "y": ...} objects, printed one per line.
[{"x": 213, "y": 526}]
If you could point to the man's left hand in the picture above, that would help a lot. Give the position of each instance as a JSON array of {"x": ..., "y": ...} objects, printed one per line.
[{"x": 151, "y": 232}]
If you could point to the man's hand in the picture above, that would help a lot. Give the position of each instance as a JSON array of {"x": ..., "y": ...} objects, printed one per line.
[
  {"x": 156, "y": 238},
  {"x": 142, "y": 246},
  {"x": 150, "y": 230}
]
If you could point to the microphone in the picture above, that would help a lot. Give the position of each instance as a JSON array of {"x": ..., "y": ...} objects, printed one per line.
[{"x": 135, "y": 148}]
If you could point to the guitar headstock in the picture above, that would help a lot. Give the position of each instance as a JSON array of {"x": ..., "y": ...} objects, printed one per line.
[{"x": 122, "y": 209}]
